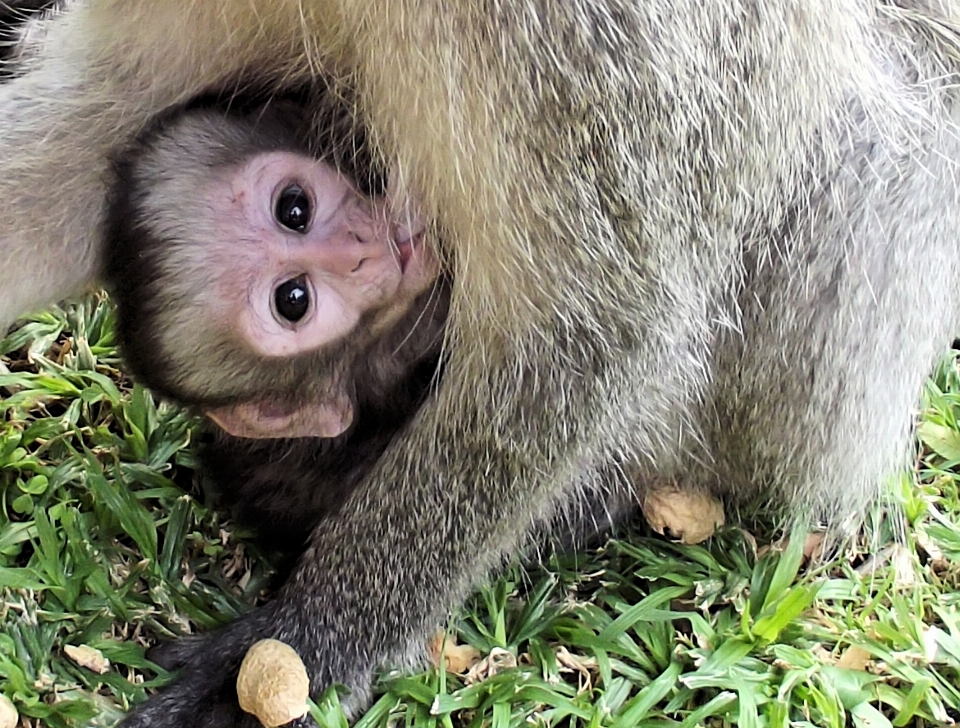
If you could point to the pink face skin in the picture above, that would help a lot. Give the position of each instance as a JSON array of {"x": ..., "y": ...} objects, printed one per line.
[{"x": 351, "y": 257}]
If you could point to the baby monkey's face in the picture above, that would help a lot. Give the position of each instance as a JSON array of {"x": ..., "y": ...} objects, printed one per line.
[
  {"x": 257, "y": 283},
  {"x": 307, "y": 256},
  {"x": 300, "y": 266}
]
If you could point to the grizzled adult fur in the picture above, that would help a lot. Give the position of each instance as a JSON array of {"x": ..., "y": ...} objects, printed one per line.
[
  {"x": 18, "y": 18},
  {"x": 715, "y": 242}
]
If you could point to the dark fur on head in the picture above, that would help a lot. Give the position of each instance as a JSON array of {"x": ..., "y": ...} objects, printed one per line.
[
  {"x": 159, "y": 291},
  {"x": 210, "y": 140}
]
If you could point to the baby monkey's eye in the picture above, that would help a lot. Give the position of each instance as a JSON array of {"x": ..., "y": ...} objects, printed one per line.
[
  {"x": 293, "y": 209},
  {"x": 292, "y": 299}
]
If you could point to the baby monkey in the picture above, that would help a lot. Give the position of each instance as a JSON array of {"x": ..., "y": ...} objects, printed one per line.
[
  {"x": 247, "y": 233},
  {"x": 260, "y": 277}
]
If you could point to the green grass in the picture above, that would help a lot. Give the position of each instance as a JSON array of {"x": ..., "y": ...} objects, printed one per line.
[{"x": 103, "y": 544}]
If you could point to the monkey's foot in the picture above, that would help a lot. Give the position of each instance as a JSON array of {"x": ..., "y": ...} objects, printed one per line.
[{"x": 690, "y": 516}]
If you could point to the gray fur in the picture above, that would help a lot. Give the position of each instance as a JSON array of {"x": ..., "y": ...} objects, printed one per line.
[{"x": 713, "y": 241}]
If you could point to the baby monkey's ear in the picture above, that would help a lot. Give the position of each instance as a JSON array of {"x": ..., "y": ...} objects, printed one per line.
[{"x": 265, "y": 419}]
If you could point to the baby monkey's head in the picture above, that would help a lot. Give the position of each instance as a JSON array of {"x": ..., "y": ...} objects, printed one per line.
[{"x": 255, "y": 280}]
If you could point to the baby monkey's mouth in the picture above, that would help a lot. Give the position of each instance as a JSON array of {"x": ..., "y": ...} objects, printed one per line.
[{"x": 406, "y": 247}]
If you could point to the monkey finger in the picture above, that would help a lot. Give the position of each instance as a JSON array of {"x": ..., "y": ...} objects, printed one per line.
[
  {"x": 173, "y": 655},
  {"x": 204, "y": 700},
  {"x": 205, "y": 693}
]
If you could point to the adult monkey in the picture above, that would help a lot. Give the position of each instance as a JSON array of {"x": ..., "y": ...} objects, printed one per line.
[{"x": 682, "y": 242}]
